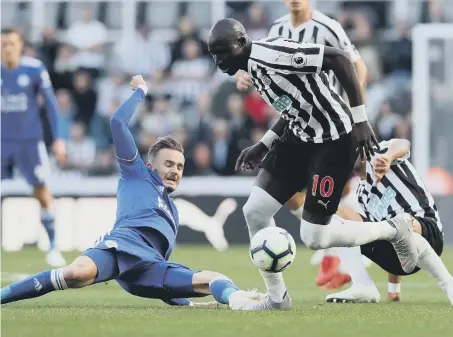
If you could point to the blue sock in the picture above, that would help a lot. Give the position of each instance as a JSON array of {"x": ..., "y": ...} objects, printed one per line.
[
  {"x": 222, "y": 289},
  {"x": 34, "y": 286},
  {"x": 48, "y": 220}
]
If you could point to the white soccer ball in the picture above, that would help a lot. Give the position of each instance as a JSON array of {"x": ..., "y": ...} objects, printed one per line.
[{"x": 272, "y": 249}]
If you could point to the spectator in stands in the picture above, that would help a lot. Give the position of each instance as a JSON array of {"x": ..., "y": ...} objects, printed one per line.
[
  {"x": 48, "y": 48},
  {"x": 63, "y": 68},
  {"x": 80, "y": 148},
  {"x": 256, "y": 22},
  {"x": 66, "y": 111},
  {"x": 398, "y": 59},
  {"x": 187, "y": 32},
  {"x": 130, "y": 51},
  {"x": 386, "y": 122},
  {"x": 222, "y": 152},
  {"x": 84, "y": 97},
  {"x": 104, "y": 164},
  {"x": 88, "y": 36},
  {"x": 202, "y": 161},
  {"x": 163, "y": 119},
  {"x": 190, "y": 75},
  {"x": 256, "y": 107},
  {"x": 199, "y": 119}
]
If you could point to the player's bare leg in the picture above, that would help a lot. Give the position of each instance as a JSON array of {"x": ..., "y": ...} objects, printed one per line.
[
  {"x": 267, "y": 197},
  {"x": 42, "y": 194},
  {"x": 394, "y": 288}
]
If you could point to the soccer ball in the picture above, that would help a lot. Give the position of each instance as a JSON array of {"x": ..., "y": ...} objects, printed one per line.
[{"x": 272, "y": 249}]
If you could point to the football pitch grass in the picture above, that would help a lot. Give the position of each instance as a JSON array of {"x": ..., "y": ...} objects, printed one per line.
[{"x": 106, "y": 310}]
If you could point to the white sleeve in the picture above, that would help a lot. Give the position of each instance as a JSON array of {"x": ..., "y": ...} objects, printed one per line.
[
  {"x": 287, "y": 56},
  {"x": 343, "y": 42}
]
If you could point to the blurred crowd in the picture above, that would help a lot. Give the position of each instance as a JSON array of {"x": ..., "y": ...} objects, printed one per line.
[{"x": 189, "y": 99}]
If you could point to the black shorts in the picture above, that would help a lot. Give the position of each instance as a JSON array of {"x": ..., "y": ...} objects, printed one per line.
[
  {"x": 323, "y": 169},
  {"x": 384, "y": 255}
]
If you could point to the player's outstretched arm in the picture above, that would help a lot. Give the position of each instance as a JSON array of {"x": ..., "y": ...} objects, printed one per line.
[
  {"x": 398, "y": 148},
  {"x": 125, "y": 147}
]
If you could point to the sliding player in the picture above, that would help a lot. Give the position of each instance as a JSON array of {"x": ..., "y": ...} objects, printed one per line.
[{"x": 135, "y": 252}]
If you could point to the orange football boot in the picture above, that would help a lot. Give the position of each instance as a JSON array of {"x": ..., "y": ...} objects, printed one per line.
[{"x": 328, "y": 268}]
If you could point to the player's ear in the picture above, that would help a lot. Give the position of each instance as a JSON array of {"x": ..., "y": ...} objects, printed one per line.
[
  {"x": 242, "y": 41},
  {"x": 148, "y": 164}
]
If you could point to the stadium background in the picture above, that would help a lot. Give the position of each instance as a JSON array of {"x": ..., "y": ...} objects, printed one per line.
[{"x": 165, "y": 42}]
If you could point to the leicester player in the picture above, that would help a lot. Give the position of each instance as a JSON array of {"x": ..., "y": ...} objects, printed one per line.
[
  {"x": 23, "y": 78},
  {"x": 135, "y": 252}
]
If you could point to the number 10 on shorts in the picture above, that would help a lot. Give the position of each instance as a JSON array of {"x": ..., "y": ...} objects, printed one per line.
[{"x": 325, "y": 186}]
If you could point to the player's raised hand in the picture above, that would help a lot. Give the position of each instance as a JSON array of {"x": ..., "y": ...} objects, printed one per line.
[
  {"x": 366, "y": 139},
  {"x": 138, "y": 81},
  {"x": 381, "y": 165},
  {"x": 251, "y": 156},
  {"x": 59, "y": 150},
  {"x": 243, "y": 81}
]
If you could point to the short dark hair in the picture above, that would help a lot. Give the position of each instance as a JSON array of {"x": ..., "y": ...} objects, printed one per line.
[
  {"x": 6, "y": 31},
  {"x": 165, "y": 142}
]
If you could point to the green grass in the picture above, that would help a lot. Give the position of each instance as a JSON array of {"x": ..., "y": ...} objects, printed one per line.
[{"x": 106, "y": 310}]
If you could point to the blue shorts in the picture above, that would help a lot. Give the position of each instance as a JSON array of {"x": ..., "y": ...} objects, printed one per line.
[
  {"x": 29, "y": 156},
  {"x": 127, "y": 255}
]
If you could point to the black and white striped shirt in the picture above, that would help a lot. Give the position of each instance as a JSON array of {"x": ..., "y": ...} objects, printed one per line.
[
  {"x": 319, "y": 29},
  {"x": 288, "y": 76},
  {"x": 400, "y": 190}
]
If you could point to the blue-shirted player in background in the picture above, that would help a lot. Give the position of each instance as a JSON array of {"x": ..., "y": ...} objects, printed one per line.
[
  {"x": 135, "y": 252},
  {"x": 23, "y": 78}
]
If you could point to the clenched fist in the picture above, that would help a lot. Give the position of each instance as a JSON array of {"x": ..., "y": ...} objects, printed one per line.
[
  {"x": 243, "y": 81},
  {"x": 138, "y": 81}
]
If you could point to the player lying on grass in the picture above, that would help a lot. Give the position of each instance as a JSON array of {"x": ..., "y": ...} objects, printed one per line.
[
  {"x": 390, "y": 186},
  {"x": 135, "y": 252},
  {"x": 316, "y": 141}
]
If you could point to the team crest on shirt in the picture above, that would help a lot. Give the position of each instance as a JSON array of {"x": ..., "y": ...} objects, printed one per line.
[
  {"x": 23, "y": 80},
  {"x": 298, "y": 60},
  {"x": 111, "y": 244}
]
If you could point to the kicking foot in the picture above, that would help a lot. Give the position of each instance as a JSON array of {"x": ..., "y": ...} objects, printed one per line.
[
  {"x": 55, "y": 259},
  {"x": 404, "y": 242},
  {"x": 356, "y": 294},
  {"x": 266, "y": 303},
  {"x": 328, "y": 269}
]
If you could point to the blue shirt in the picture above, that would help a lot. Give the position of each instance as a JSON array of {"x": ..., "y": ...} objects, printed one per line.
[
  {"x": 142, "y": 199},
  {"x": 20, "y": 109}
]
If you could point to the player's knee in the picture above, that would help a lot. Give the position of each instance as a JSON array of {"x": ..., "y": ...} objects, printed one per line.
[
  {"x": 314, "y": 236},
  {"x": 81, "y": 273}
]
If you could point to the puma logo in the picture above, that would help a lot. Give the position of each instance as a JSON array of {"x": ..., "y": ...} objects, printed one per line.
[
  {"x": 323, "y": 203},
  {"x": 193, "y": 217}
]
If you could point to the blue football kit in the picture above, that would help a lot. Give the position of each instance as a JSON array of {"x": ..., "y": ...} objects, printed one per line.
[{"x": 21, "y": 138}]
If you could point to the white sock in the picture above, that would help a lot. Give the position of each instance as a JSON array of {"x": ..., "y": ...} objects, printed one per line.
[
  {"x": 259, "y": 212},
  {"x": 433, "y": 265},
  {"x": 344, "y": 233},
  {"x": 352, "y": 262},
  {"x": 275, "y": 285},
  {"x": 298, "y": 212}
]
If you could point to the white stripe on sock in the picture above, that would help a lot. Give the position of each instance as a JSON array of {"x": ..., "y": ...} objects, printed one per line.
[
  {"x": 60, "y": 277},
  {"x": 53, "y": 279}
]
